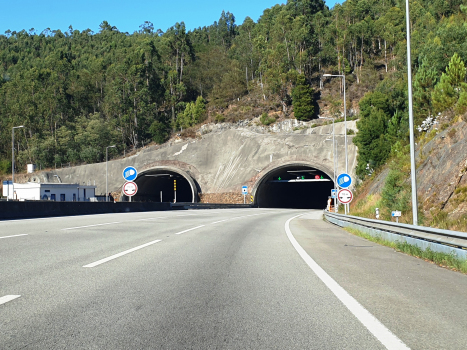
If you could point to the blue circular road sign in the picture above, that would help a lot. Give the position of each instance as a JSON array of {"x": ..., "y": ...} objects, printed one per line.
[
  {"x": 130, "y": 173},
  {"x": 344, "y": 180}
]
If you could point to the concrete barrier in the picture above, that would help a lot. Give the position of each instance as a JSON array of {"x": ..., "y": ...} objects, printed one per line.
[{"x": 39, "y": 209}]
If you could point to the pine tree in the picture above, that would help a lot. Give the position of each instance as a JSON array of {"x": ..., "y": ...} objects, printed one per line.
[{"x": 302, "y": 99}]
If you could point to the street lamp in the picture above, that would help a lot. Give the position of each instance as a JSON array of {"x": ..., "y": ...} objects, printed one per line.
[
  {"x": 107, "y": 172},
  {"x": 413, "y": 168},
  {"x": 334, "y": 156},
  {"x": 334, "y": 149},
  {"x": 13, "y": 159},
  {"x": 345, "y": 119}
]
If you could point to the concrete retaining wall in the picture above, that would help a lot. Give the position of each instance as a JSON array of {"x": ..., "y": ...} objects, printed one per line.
[{"x": 39, "y": 209}]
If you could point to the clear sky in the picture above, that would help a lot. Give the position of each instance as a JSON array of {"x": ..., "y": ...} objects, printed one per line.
[{"x": 127, "y": 16}]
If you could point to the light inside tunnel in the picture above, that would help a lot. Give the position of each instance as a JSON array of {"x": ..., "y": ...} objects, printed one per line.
[
  {"x": 300, "y": 187},
  {"x": 163, "y": 185}
]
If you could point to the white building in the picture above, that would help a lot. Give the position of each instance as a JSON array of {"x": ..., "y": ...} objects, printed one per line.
[{"x": 59, "y": 192}]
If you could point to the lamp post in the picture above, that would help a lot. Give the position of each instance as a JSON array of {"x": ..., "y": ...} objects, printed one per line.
[
  {"x": 13, "y": 159},
  {"x": 107, "y": 172},
  {"x": 334, "y": 149},
  {"x": 334, "y": 156},
  {"x": 345, "y": 119},
  {"x": 413, "y": 169}
]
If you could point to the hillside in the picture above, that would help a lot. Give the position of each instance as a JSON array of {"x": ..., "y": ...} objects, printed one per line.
[
  {"x": 77, "y": 92},
  {"x": 442, "y": 185}
]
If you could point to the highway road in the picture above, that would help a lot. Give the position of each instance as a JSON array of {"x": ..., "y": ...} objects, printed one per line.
[{"x": 218, "y": 279}]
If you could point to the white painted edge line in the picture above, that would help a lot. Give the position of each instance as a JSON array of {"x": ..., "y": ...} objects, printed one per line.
[
  {"x": 190, "y": 229},
  {"x": 99, "y": 262},
  {"x": 7, "y": 298},
  {"x": 78, "y": 227},
  {"x": 384, "y": 335},
  {"x": 24, "y": 234}
]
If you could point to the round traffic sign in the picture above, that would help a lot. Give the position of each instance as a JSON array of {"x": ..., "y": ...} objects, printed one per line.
[
  {"x": 130, "y": 189},
  {"x": 344, "y": 180},
  {"x": 345, "y": 196},
  {"x": 130, "y": 173}
]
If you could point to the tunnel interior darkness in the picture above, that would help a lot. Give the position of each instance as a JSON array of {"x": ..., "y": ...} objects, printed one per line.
[
  {"x": 299, "y": 187},
  {"x": 152, "y": 184}
]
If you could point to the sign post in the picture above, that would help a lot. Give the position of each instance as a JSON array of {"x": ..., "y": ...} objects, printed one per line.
[
  {"x": 130, "y": 174},
  {"x": 345, "y": 196},
  {"x": 130, "y": 189},
  {"x": 244, "y": 192},
  {"x": 396, "y": 214},
  {"x": 344, "y": 180}
]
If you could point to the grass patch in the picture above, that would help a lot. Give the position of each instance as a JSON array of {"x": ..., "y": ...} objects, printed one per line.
[{"x": 449, "y": 261}]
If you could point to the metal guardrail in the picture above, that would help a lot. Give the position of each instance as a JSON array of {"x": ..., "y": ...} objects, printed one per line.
[{"x": 449, "y": 238}]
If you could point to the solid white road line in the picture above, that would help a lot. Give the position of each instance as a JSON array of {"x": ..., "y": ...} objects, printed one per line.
[
  {"x": 78, "y": 227},
  {"x": 94, "y": 264},
  {"x": 190, "y": 229},
  {"x": 7, "y": 298},
  {"x": 384, "y": 335},
  {"x": 24, "y": 234}
]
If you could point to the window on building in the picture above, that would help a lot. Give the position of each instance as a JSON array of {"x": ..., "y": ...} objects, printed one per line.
[
  {"x": 52, "y": 197},
  {"x": 62, "y": 197}
]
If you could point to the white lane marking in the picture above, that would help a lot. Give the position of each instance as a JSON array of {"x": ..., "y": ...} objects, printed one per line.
[
  {"x": 24, "y": 234},
  {"x": 216, "y": 222},
  {"x": 237, "y": 217},
  {"x": 384, "y": 335},
  {"x": 75, "y": 228},
  {"x": 115, "y": 256},
  {"x": 190, "y": 229},
  {"x": 7, "y": 298}
]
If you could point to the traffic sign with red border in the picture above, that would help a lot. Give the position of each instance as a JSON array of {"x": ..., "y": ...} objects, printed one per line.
[
  {"x": 130, "y": 188},
  {"x": 345, "y": 196}
]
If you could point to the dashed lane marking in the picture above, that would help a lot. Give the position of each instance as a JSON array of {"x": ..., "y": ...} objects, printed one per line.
[
  {"x": 7, "y": 298},
  {"x": 115, "y": 256},
  {"x": 24, "y": 234}
]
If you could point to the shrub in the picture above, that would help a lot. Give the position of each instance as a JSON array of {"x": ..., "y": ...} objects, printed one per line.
[
  {"x": 266, "y": 120},
  {"x": 5, "y": 166}
]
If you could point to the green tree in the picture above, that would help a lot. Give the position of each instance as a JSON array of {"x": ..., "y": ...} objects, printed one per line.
[
  {"x": 451, "y": 85},
  {"x": 302, "y": 99}
]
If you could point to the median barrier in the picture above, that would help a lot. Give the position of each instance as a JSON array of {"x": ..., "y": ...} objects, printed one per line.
[{"x": 39, "y": 209}]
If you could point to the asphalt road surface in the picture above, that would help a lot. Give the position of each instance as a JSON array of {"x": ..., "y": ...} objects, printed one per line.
[{"x": 218, "y": 279}]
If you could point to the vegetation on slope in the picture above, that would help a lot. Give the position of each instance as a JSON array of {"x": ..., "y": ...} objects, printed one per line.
[{"x": 77, "y": 92}]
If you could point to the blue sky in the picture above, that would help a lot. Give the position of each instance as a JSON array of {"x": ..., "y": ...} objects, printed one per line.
[{"x": 127, "y": 16}]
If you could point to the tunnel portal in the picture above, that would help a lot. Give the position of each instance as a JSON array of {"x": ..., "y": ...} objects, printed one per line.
[
  {"x": 298, "y": 187},
  {"x": 158, "y": 185}
]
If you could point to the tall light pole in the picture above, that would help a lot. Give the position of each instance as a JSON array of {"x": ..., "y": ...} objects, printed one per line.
[
  {"x": 13, "y": 159},
  {"x": 334, "y": 156},
  {"x": 345, "y": 119},
  {"x": 107, "y": 172},
  {"x": 413, "y": 169},
  {"x": 334, "y": 149}
]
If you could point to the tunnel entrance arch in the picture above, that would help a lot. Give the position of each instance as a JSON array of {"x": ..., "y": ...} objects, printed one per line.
[
  {"x": 299, "y": 185},
  {"x": 157, "y": 184}
]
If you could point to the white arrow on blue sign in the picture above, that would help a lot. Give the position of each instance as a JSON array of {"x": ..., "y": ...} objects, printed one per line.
[
  {"x": 344, "y": 180},
  {"x": 130, "y": 173}
]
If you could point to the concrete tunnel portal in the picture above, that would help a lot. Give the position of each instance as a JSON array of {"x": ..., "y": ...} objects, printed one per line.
[
  {"x": 294, "y": 186},
  {"x": 165, "y": 184}
]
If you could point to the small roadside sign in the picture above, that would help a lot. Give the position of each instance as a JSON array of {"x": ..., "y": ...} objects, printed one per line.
[
  {"x": 345, "y": 196},
  {"x": 130, "y": 173},
  {"x": 130, "y": 188},
  {"x": 244, "y": 189},
  {"x": 344, "y": 180},
  {"x": 333, "y": 193},
  {"x": 396, "y": 214}
]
